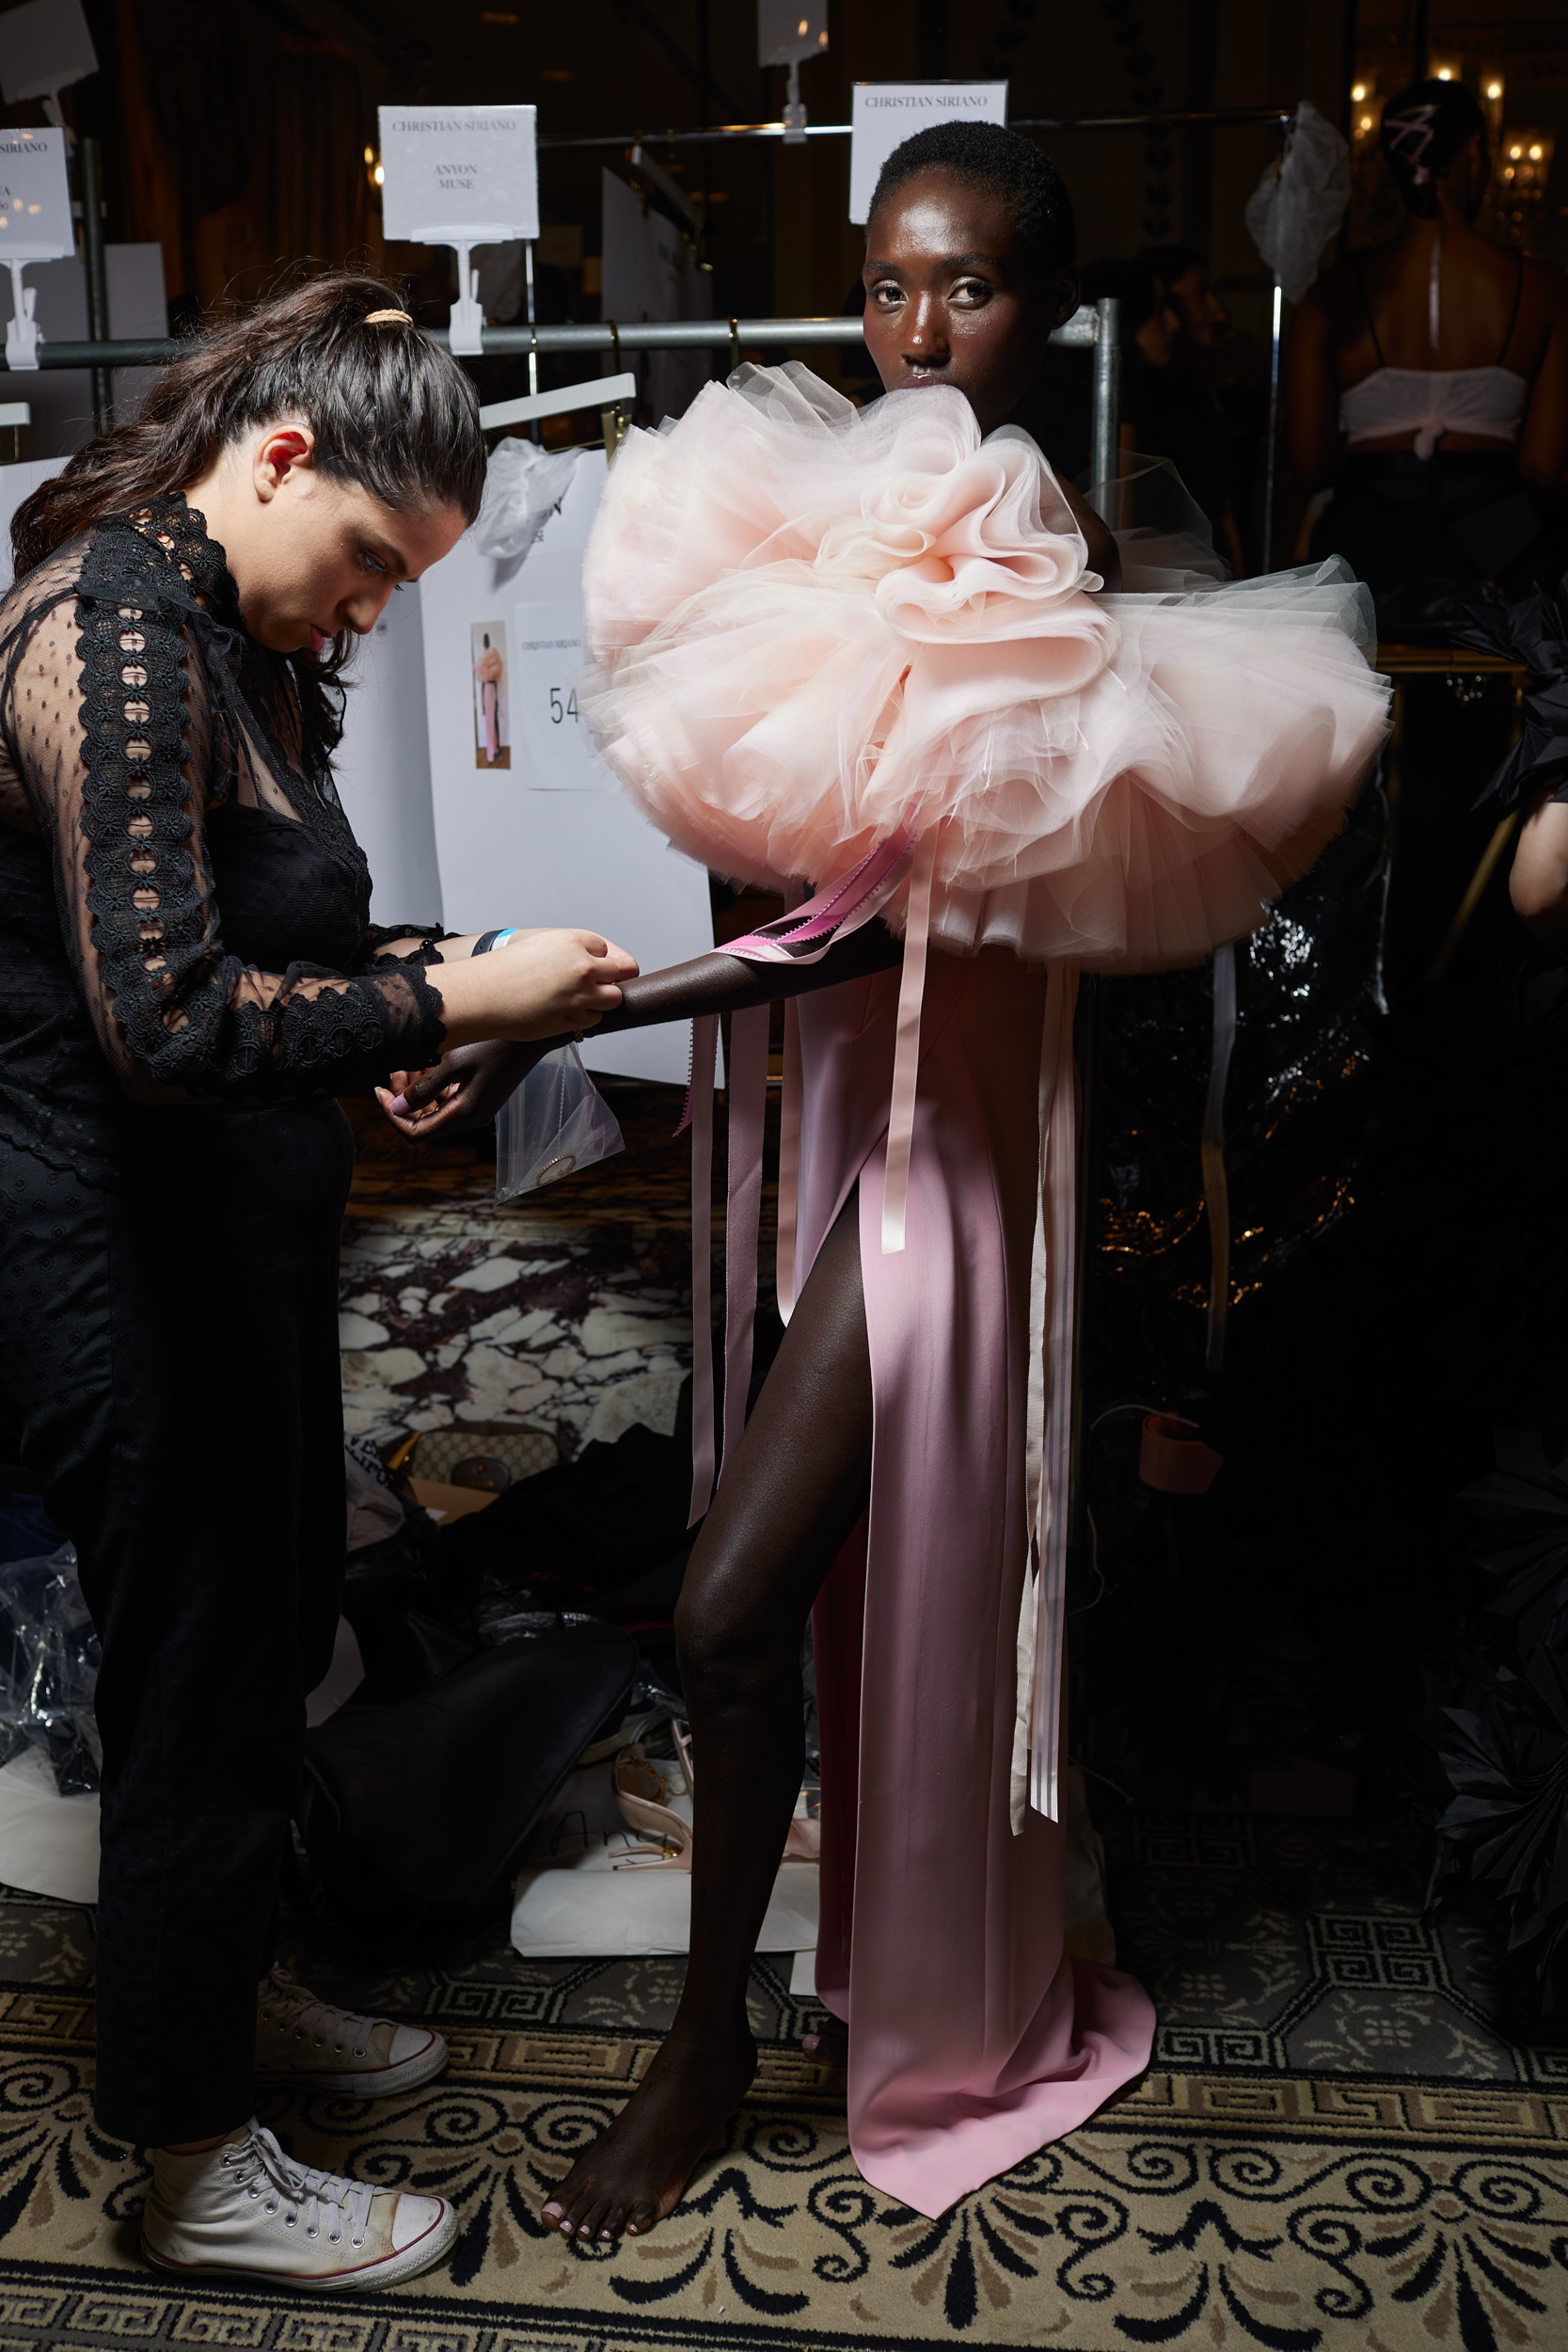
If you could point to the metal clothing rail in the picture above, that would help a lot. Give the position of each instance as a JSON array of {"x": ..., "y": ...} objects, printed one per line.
[
  {"x": 1226, "y": 117},
  {"x": 518, "y": 341},
  {"x": 1087, "y": 329}
]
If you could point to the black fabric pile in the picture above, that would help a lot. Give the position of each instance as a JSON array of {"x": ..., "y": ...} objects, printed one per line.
[
  {"x": 1401, "y": 1275},
  {"x": 1498, "y": 1733},
  {"x": 1533, "y": 632}
]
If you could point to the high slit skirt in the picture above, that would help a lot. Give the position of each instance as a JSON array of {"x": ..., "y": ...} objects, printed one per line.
[{"x": 974, "y": 2037}]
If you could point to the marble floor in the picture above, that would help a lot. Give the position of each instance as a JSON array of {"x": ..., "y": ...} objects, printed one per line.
[{"x": 567, "y": 1311}]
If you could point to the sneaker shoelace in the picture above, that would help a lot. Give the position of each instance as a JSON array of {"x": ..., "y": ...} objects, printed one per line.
[
  {"x": 320, "y": 2198},
  {"x": 295, "y": 2006}
]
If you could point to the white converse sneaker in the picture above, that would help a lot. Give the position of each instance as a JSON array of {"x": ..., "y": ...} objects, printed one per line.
[
  {"x": 247, "y": 2210},
  {"x": 307, "y": 2043}
]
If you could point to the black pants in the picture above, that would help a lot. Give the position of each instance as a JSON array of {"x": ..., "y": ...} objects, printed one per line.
[{"x": 168, "y": 1362}]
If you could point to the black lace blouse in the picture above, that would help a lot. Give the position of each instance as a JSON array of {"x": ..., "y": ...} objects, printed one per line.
[{"x": 183, "y": 909}]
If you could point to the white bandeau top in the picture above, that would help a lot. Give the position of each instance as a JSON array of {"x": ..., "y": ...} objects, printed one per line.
[{"x": 1429, "y": 402}]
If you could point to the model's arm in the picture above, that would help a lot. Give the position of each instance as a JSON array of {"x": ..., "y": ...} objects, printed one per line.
[
  {"x": 471, "y": 1085},
  {"x": 1538, "y": 880},
  {"x": 1543, "y": 442}
]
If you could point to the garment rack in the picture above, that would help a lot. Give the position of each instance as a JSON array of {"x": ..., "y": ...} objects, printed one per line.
[
  {"x": 1222, "y": 118},
  {"x": 1090, "y": 328}
]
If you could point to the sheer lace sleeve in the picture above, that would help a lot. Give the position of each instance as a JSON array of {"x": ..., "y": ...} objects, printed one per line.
[
  {"x": 402, "y": 943},
  {"x": 112, "y": 728}
]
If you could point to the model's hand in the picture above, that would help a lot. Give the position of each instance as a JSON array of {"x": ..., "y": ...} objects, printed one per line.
[
  {"x": 429, "y": 1109},
  {"x": 465, "y": 1089},
  {"x": 538, "y": 984}
]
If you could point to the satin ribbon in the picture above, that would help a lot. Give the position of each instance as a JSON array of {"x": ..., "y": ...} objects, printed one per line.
[
  {"x": 906, "y": 1055},
  {"x": 699, "y": 1109},
  {"x": 803, "y": 936},
  {"x": 1216, "y": 1187},
  {"x": 1049, "y": 1425},
  {"x": 789, "y": 1160},
  {"x": 748, "y": 1104}
]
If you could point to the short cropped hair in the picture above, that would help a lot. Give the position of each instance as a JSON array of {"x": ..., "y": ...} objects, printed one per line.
[{"x": 1004, "y": 164}]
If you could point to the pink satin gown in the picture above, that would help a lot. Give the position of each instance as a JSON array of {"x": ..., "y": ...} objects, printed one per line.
[
  {"x": 817, "y": 631},
  {"x": 974, "y": 2037}
]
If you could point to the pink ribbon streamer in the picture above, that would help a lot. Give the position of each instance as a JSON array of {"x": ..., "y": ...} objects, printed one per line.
[
  {"x": 699, "y": 1098},
  {"x": 747, "y": 1091},
  {"x": 789, "y": 1161},
  {"x": 906, "y": 1055},
  {"x": 803, "y": 936},
  {"x": 1049, "y": 1439}
]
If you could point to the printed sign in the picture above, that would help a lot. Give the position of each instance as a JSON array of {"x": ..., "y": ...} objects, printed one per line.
[
  {"x": 459, "y": 175},
  {"x": 35, "y": 196},
  {"x": 885, "y": 113},
  {"x": 550, "y": 652}
]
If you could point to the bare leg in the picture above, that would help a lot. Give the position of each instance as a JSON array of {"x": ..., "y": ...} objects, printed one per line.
[{"x": 795, "y": 1486}]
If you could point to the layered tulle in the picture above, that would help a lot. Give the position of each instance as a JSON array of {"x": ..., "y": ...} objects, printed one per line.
[{"x": 813, "y": 625}]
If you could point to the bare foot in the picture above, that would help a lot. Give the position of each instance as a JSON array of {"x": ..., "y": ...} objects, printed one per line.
[{"x": 638, "y": 2171}]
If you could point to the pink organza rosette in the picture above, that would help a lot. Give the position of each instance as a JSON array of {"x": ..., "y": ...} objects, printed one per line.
[{"x": 811, "y": 626}]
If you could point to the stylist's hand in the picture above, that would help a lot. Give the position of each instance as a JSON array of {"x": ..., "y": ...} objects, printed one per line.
[
  {"x": 539, "y": 984},
  {"x": 465, "y": 1089},
  {"x": 556, "y": 980}
]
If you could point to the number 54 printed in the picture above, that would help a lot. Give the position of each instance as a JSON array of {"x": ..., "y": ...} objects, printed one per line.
[{"x": 547, "y": 724}]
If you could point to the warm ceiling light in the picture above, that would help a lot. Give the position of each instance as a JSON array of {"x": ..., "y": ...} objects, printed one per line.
[
  {"x": 803, "y": 30},
  {"x": 380, "y": 176},
  {"x": 1366, "y": 122},
  {"x": 1494, "y": 89},
  {"x": 1358, "y": 94},
  {"x": 370, "y": 154},
  {"x": 1444, "y": 73},
  {"x": 1535, "y": 154}
]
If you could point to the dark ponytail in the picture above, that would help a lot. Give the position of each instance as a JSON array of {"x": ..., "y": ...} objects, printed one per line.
[
  {"x": 1423, "y": 129},
  {"x": 390, "y": 411}
]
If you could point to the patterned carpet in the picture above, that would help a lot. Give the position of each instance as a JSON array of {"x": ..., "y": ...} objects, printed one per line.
[{"x": 1260, "y": 2202}]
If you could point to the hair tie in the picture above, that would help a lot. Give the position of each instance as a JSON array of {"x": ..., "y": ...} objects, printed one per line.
[{"x": 388, "y": 318}]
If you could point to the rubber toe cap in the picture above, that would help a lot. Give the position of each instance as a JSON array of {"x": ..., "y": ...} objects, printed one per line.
[
  {"x": 411, "y": 2042},
  {"x": 416, "y": 2217}
]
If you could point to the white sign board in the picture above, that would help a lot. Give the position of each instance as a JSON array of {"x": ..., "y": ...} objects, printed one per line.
[
  {"x": 459, "y": 175},
  {"x": 382, "y": 766},
  {"x": 34, "y": 196},
  {"x": 43, "y": 48},
  {"x": 549, "y": 651},
  {"x": 885, "y": 113},
  {"x": 512, "y": 853}
]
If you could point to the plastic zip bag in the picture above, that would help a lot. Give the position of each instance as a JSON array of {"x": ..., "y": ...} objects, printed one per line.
[
  {"x": 556, "y": 1122},
  {"x": 49, "y": 1669}
]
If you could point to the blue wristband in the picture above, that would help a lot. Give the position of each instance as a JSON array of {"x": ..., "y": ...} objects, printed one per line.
[{"x": 493, "y": 939}]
